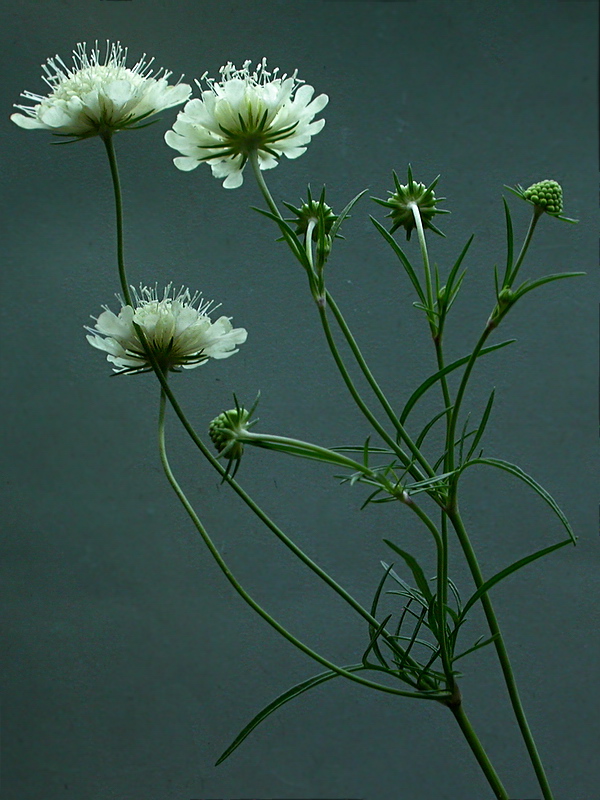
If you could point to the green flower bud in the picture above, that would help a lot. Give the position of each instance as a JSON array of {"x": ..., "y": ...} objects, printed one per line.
[
  {"x": 546, "y": 195},
  {"x": 505, "y": 297},
  {"x": 226, "y": 429},
  {"x": 319, "y": 214},
  {"x": 401, "y": 203}
]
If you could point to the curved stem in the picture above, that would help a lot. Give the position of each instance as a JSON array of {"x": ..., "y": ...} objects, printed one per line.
[
  {"x": 502, "y": 653},
  {"x": 355, "y": 350},
  {"x": 244, "y": 594},
  {"x": 324, "y": 576},
  {"x": 479, "y": 752},
  {"x": 376, "y": 388},
  {"x": 427, "y": 269}
]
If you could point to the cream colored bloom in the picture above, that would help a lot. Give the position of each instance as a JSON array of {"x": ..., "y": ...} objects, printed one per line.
[
  {"x": 177, "y": 328},
  {"x": 245, "y": 112},
  {"x": 93, "y": 97}
]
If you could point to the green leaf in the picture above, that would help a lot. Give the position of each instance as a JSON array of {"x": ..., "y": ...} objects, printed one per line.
[
  {"x": 457, "y": 264},
  {"x": 477, "y": 646},
  {"x": 374, "y": 646},
  {"x": 289, "y": 234},
  {"x": 420, "y": 390},
  {"x": 509, "y": 245},
  {"x": 430, "y": 424},
  {"x": 482, "y": 425},
  {"x": 414, "y": 567},
  {"x": 374, "y": 633},
  {"x": 527, "y": 286},
  {"x": 499, "y": 576},
  {"x": 518, "y": 473},
  {"x": 295, "y": 691},
  {"x": 403, "y": 258},
  {"x": 336, "y": 225}
]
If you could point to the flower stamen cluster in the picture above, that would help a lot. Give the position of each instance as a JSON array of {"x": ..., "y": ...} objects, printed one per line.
[
  {"x": 97, "y": 95},
  {"x": 176, "y": 327},
  {"x": 245, "y": 112}
]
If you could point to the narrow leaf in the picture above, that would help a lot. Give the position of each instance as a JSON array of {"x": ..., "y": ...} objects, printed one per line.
[
  {"x": 336, "y": 225},
  {"x": 295, "y": 691},
  {"x": 499, "y": 576},
  {"x": 482, "y": 424},
  {"x": 518, "y": 473},
  {"x": 528, "y": 286},
  {"x": 420, "y": 390},
  {"x": 403, "y": 258},
  {"x": 414, "y": 567},
  {"x": 477, "y": 646}
]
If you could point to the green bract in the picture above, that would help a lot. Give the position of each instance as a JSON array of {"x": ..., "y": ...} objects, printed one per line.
[
  {"x": 406, "y": 197},
  {"x": 225, "y": 429}
]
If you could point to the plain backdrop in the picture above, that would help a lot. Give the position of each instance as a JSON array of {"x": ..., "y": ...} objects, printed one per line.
[{"x": 128, "y": 662}]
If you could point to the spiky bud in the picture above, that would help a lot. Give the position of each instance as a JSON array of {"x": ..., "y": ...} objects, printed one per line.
[
  {"x": 226, "y": 429},
  {"x": 402, "y": 201}
]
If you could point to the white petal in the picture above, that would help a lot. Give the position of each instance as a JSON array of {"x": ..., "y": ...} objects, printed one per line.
[
  {"x": 29, "y": 123},
  {"x": 185, "y": 163}
]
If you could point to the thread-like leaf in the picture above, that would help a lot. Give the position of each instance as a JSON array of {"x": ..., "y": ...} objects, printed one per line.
[
  {"x": 499, "y": 576},
  {"x": 523, "y": 476},
  {"x": 420, "y": 390},
  {"x": 414, "y": 567},
  {"x": 295, "y": 691},
  {"x": 410, "y": 271}
]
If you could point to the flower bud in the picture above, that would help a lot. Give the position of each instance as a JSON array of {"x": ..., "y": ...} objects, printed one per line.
[
  {"x": 546, "y": 195},
  {"x": 402, "y": 201},
  {"x": 225, "y": 431}
]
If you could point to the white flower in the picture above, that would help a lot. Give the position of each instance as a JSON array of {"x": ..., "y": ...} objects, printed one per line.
[
  {"x": 93, "y": 97},
  {"x": 177, "y": 328},
  {"x": 243, "y": 113}
]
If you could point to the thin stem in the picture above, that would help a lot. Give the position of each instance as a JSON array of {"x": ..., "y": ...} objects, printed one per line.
[
  {"x": 243, "y": 593},
  {"x": 375, "y": 386},
  {"x": 346, "y": 596},
  {"x": 479, "y": 752},
  {"x": 537, "y": 213},
  {"x": 355, "y": 350},
  {"x": 502, "y": 653},
  {"x": 107, "y": 138},
  {"x": 358, "y": 399},
  {"x": 436, "y": 332},
  {"x": 421, "y": 233}
]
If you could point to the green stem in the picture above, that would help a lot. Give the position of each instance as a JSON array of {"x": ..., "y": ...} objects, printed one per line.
[
  {"x": 244, "y": 594},
  {"x": 107, "y": 138},
  {"x": 502, "y": 653},
  {"x": 376, "y": 388},
  {"x": 427, "y": 269},
  {"x": 442, "y": 572},
  {"x": 357, "y": 354},
  {"x": 479, "y": 752},
  {"x": 324, "y": 576},
  {"x": 537, "y": 213}
]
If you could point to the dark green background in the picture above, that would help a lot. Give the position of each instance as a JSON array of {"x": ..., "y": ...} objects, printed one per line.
[{"x": 128, "y": 662}]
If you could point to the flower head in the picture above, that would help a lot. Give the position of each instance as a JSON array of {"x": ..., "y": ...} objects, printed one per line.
[
  {"x": 312, "y": 213},
  {"x": 226, "y": 429},
  {"x": 544, "y": 196},
  {"x": 245, "y": 112},
  {"x": 95, "y": 96},
  {"x": 177, "y": 329},
  {"x": 402, "y": 201}
]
